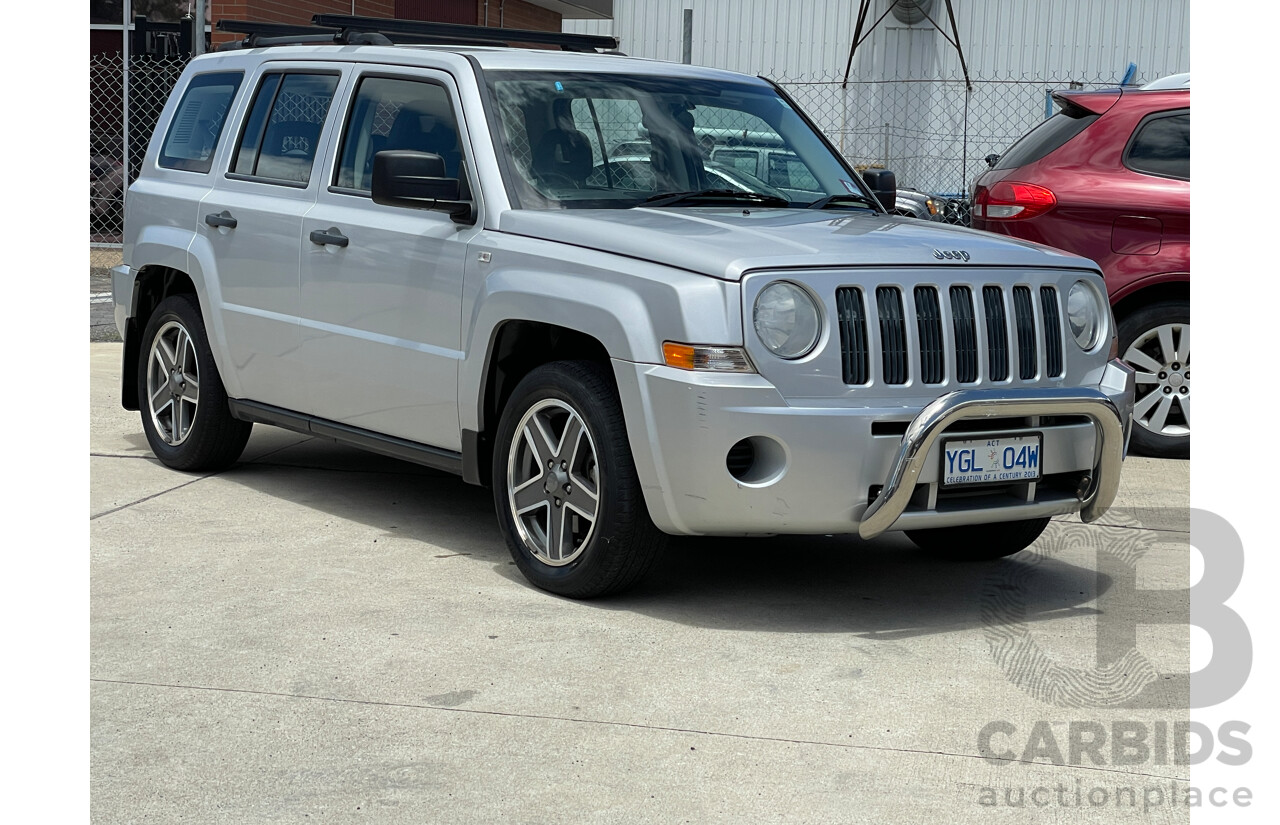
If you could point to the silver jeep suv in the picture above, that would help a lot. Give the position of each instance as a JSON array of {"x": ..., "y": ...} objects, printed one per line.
[{"x": 427, "y": 251}]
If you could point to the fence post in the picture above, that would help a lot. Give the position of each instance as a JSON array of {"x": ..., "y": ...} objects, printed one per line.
[
  {"x": 964, "y": 145},
  {"x": 844, "y": 118},
  {"x": 197, "y": 45},
  {"x": 686, "y": 41},
  {"x": 124, "y": 99}
]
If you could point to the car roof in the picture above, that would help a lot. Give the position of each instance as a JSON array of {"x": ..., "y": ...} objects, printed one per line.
[
  {"x": 1173, "y": 81},
  {"x": 487, "y": 57}
]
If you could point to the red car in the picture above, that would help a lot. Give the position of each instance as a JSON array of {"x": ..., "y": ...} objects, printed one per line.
[{"x": 1108, "y": 177}]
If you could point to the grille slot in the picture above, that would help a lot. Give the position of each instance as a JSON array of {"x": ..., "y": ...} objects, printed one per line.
[
  {"x": 965, "y": 329},
  {"x": 997, "y": 334},
  {"x": 893, "y": 334},
  {"x": 854, "y": 352},
  {"x": 929, "y": 324},
  {"x": 1052, "y": 331},
  {"x": 1025, "y": 319}
]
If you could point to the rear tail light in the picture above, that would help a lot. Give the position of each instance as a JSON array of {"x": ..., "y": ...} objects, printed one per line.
[{"x": 1010, "y": 201}]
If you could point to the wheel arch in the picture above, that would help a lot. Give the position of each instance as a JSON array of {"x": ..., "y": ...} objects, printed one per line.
[
  {"x": 1148, "y": 292},
  {"x": 516, "y": 348},
  {"x": 152, "y": 285}
]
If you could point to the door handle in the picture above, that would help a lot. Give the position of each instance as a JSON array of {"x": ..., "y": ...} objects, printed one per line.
[
  {"x": 329, "y": 237},
  {"x": 222, "y": 218}
]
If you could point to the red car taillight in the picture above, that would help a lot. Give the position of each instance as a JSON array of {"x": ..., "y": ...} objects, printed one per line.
[{"x": 1007, "y": 201}]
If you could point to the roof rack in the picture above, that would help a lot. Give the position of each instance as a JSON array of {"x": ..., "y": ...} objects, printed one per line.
[{"x": 343, "y": 29}]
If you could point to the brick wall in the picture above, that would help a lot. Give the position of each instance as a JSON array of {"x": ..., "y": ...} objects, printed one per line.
[
  {"x": 517, "y": 14},
  {"x": 514, "y": 14},
  {"x": 291, "y": 11},
  {"x": 438, "y": 11}
]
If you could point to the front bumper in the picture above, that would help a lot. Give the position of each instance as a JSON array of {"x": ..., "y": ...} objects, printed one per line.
[
  {"x": 122, "y": 281},
  {"x": 842, "y": 469}
]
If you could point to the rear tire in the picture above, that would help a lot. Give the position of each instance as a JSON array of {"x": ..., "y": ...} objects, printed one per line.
[
  {"x": 979, "y": 542},
  {"x": 565, "y": 485},
  {"x": 180, "y": 394}
]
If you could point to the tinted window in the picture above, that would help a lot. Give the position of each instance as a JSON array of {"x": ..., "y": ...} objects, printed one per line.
[
  {"x": 282, "y": 134},
  {"x": 1162, "y": 146},
  {"x": 197, "y": 123},
  {"x": 396, "y": 114},
  {"x": 1045, "y": 138}
]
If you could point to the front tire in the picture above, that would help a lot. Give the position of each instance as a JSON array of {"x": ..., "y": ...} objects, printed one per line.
[
  {"x": 1156, "y": 342},
  {"x": 979, "y": 542},
  {"x": 183, "y": 403},
  {"x": 565, "y": 485}
]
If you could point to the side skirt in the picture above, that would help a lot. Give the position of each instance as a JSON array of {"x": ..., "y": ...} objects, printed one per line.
[{"x": 423, "y": 454}]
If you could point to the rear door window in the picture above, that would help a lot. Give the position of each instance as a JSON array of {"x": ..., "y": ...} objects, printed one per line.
[
  {"x": 282, "y": 134},
  {"x": 1161, "y": 145},
  {"x": 197, "y": 125}
]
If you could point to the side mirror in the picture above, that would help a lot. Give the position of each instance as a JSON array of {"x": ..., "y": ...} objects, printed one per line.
[
  {"x": 884, "y": 184},
  {"x": 416, "y": 180},
  {"x": 992, "y": 159}
]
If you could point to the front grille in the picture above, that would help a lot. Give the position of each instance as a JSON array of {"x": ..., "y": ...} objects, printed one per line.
[{"x": 948, "y": 331}]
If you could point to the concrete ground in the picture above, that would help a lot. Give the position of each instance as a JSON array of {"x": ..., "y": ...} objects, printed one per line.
[
  {"x": 102, "y": 323},
  {"x": 324, "y": 635}
]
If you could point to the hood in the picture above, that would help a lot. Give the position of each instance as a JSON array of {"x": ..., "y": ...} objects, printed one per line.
[{"x": 728, "y": 242}]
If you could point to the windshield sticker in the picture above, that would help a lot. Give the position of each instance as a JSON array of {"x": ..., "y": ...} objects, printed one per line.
[{"x": 848, "y": 184}]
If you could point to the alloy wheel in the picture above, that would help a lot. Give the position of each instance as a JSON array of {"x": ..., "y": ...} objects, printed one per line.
[
  {"x": 173, "y": 383},
  {"x": 1162, "y": 358},
  {"x": 553, "y": 482}
]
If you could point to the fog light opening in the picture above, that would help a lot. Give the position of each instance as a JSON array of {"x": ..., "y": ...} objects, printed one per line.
[{"x": 756, "y": 461}]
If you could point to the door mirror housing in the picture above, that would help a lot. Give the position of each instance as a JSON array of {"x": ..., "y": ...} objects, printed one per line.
[
  {"x": 417, "y": 180},
  {"x": 884, "y": 184}
]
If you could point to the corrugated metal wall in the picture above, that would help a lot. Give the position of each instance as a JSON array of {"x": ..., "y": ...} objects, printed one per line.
[
  {"x": 906, "y": 108},
  {"x": 1002, "y": 39}
]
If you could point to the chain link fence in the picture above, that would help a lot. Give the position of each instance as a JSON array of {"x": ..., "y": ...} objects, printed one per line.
[
  {"x": 933, "y": 134},
  {"x": 149, "y": 80}
]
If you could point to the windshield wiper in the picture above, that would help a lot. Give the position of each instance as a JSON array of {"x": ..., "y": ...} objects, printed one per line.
[
  {"x": 723, "y": 195},
  {"x": 842, "y": 199}
]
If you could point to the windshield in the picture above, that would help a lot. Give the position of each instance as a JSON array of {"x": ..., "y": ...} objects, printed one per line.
[{"x": 616, "y": 141}]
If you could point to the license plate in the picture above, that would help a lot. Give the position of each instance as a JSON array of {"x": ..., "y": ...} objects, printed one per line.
[{"x": 991, "y": 460}]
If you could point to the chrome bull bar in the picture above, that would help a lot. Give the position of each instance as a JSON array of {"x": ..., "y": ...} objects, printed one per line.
[{"x": 1110, "y": 423}]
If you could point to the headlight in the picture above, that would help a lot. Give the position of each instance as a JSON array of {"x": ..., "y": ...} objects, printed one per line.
[
  {"x": 1084, "y": 314},
  {"x": 787, "y": 320}
]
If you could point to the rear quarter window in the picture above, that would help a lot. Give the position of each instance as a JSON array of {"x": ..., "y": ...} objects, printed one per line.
[
  {"x": 1161, "y": 145},
  {"x": 197, "y": 123}
]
